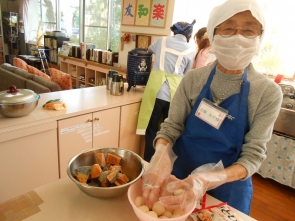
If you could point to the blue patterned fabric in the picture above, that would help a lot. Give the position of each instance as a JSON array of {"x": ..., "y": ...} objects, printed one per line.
[{"x": 279, "y": 164}]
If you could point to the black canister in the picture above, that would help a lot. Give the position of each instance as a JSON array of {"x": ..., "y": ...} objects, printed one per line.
[
  {"x": 117, "y": 85},
  {"x": 110, "y": 77},
  {"x": 139, "y": 65}
]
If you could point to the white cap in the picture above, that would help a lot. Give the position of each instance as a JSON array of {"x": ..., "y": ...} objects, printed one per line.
[{"x": 231, "y": 7}]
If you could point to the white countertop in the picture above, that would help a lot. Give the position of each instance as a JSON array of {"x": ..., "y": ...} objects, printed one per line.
[
  {"x": 63, "y": 200},
  {"x": 78, "y": 101}
]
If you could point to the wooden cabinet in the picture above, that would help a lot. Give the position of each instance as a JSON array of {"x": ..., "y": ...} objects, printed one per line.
[
  {"x": 93, "y": 130},
  {"x": 128, "y": 138},
  {"x": 113, "y": 127},
  {"x": 51, "y": 46},
  {"x": 106, "y": 128},
  {"x": 86, "y": 73},
  {"x": 28, "y": 162}
]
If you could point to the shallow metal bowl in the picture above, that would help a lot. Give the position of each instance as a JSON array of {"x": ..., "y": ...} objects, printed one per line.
[
  {"x": 132, "y": 165},
  {"x": 19, "y": 109}
]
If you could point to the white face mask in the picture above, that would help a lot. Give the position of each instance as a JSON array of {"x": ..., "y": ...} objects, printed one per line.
[{"x": 235, "y": 52}]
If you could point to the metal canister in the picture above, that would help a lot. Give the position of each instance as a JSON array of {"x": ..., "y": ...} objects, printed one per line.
[
  {"x": 110, "y": 77},
  {"x": 117, "y": 85}
]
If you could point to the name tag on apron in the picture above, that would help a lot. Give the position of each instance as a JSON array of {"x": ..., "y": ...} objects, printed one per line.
[{"x": 210, "y": 113}]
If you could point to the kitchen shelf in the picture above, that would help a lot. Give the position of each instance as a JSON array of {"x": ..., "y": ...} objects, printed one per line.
[
  {"x": 91, "y": 70},
  {"x": 10, "y": 34},
  {"x": 52, "y": 44},
  {"x": 2, "y": 55}
]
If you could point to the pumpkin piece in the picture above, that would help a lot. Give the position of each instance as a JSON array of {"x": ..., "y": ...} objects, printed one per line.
[
  {"x": 113, "y": 175},
  {"x": 112, "y": 168},
  {"x": 82, "y": 173},
  {"x": 103, "y": 176},
  {"x": 122, "y": 178},
  {"x": 117, "y": 183},
  {"x": 95, "y": 171},
  {"x": 83, "y": 169},
  {"x": 101, "y": 159},
  {"x": 82, "y": 177},
  {"x": 113, "y": 159},
  {"x": 107, "y": 167},
  {"x": 106, "y": 183},
  {"x": 93, "y": 183}
]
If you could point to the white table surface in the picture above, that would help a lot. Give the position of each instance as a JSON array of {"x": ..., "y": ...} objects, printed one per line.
[{"x": 64, "y": 201}]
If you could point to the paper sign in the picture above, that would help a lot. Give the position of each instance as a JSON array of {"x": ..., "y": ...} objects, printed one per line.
[{"x": 76, "y": 128}]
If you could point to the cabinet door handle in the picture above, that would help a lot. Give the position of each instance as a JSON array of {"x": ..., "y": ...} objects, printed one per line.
[
  {"x": 96, "y": 119},
  {"x": 89, "y": 120}
]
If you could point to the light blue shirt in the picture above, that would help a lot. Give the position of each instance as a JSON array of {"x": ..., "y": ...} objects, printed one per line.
[{"x": 178, "y": 43}]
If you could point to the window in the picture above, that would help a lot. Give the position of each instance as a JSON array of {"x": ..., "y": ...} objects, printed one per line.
[
  {"x": 69, "y": 18},
  {"x": 101, "y": 20},
  {"x": 48, "y": 13},
  {"x": 34, "y": 20},
  {"x": 277, "y": 55},
  {"x": 96, "y": 22}
]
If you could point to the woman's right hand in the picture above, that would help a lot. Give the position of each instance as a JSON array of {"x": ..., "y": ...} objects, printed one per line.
[{"x": 157, "y": 173}]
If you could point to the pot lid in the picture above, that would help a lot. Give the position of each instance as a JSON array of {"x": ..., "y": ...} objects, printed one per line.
[{"x": 15, "y": 96}]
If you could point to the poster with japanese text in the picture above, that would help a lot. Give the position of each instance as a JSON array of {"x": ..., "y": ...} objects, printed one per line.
[
  {"x": 142, "y": 16},
  {"x": 158, "y": 13},
  {"x": 128, "y": 12}
]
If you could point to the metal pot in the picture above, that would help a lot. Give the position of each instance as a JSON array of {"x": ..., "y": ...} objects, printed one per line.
[{"x": 18, "y": 102}]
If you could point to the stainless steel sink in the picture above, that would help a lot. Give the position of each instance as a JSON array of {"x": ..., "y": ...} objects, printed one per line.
[
  {"x": 285, "y": 123},
  {"x": 288, "y": 99}
]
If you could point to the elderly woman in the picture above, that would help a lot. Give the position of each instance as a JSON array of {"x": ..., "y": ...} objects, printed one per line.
[{"x": 220, "y": 113}]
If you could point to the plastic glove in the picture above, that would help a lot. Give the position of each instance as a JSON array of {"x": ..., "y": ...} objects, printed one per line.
[
  {"x": 157, "y": 173},
  {"x": 206, "y": 177}
]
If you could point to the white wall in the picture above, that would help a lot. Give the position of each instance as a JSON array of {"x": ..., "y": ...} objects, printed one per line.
[
  {"x": 154, "y": 32},
  {"x": 178, "y": 10}
]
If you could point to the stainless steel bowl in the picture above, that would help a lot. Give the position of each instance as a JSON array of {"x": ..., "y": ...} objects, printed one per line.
[
  {"x": 132, "y": 165},
  {"x": 18, "y": 102}
]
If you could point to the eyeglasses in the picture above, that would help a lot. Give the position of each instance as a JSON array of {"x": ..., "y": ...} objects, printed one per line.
[{"x": 227, "y": 32}]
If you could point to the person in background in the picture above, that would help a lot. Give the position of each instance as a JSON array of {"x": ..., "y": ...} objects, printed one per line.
[
  {"x": 174, "y": 56},
  {"x": 203, "y": 56},
  {"x": 222, "y": 112}
]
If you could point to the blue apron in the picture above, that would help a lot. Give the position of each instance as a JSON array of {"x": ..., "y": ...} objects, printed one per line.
[{"x": 201, "y": 144}]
